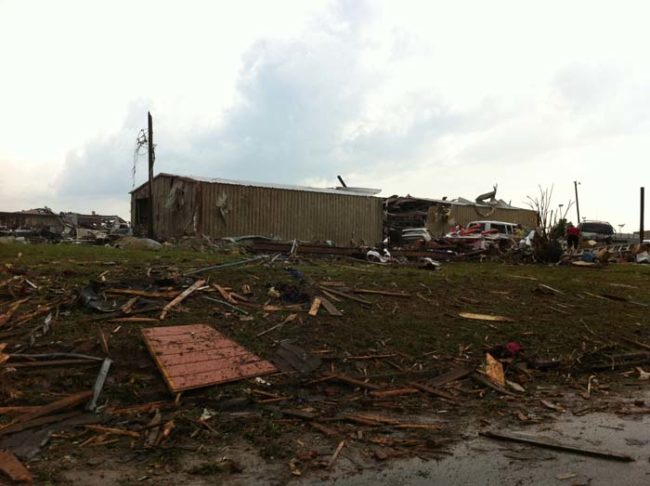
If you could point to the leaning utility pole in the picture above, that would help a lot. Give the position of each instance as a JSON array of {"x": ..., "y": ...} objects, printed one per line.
[
  {"x": 641, "y": 226},
  {"x": 575, "y": 185},
  {"x": 152, "y": 157}
]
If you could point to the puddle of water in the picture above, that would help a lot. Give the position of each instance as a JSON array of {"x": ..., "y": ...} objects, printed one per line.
[{"x": 487, "y": 462}]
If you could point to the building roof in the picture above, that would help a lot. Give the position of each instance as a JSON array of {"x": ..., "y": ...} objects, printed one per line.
[{"x": 211, "y": 180}]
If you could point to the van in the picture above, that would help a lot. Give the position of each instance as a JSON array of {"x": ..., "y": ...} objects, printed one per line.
[{"x": 597, "y": 231}]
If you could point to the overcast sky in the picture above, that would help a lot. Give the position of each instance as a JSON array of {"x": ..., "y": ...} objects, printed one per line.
[{"x": 423, "y": 97}]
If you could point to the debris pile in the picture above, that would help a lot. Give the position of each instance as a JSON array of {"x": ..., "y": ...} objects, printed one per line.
[{"x": 317, "y": 363}]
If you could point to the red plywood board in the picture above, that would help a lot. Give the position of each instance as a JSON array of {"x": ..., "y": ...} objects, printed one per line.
[{"x": 197, "y": 355}]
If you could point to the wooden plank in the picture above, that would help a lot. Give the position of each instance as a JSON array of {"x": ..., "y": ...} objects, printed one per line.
[
  {"x": 181, "y": 297},
  {"x": 14, "y": 427},
  {"x": 388, "y": 293},
  {"x": 348, "y": 296},
  {"x": 551, "y": 444},
  {"x": 432, "y": 391},
  {"x": 351, "y": 381},
  {"x": 56, "y": 406},
  {"x": 54, "y": 362},
  {"x": 14, "y": 469},
  {"x": 315, "y": 305},
  {"x": 330, "y": 308},
  {"x": 397, "y": 392},
  {"x": 453, "y": 375}
]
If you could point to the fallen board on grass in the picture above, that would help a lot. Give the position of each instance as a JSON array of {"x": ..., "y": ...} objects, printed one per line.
[{"x": 196, "y": 356}]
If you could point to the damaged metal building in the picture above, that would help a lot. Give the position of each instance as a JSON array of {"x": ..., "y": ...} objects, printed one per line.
[
  {"x": 217, "y": 208},
  {"x": 438, "y": 216}
]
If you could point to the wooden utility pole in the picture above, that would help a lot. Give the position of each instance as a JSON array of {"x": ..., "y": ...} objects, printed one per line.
[
  {"x": 641, "y": 226},
  {"x": 152, "y": 157},
  {"x": 575, "y": 185}
]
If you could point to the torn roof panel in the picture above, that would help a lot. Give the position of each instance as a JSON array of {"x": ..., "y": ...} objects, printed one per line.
[{"x": 366, "y": 192}]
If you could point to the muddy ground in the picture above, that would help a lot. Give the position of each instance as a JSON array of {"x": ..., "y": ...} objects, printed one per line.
[{"x": 583, "y": 333}]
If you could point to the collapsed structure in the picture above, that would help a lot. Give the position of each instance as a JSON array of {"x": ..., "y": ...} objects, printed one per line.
[
  {"x": 45, "y": 223},
  {"x": 439, "y": 215},
  {"x": 220, "y": 208}
]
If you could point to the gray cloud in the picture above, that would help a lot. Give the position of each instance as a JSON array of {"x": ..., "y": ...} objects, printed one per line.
[
  {"x": 297, "y": 99},
  {"x": 302, "y": 114}
]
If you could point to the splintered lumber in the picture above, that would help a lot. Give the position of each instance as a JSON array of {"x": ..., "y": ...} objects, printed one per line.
[
  {"x": 126, "y": 308},
  {"x": 453, "y": 375},
  {"x": 280, "y": 308},
  {"x": 70, "y": 401},
  {"x": 388, "y": 293},
  {"x": 324, "y": 430},
  {"x": 138, "y": 409},
  {"x": 3, "y": 357},
  {"x": 351, "y": 381},
  {"x": 227, "y": 265},
  {"x": 133, "y": 319},
  {"x": 484, "y": 381},
  {"x": 13, "y": 427},
  {"x": 345, "y": 295},
  {"x": 103, "y": 342},
  {"x": 484, "y": 317},
  {"x": 330, "y": 308},
  {"x": 4, "y": 318},
  {"x": 370, "y": 419},
  {"x": 13, "y": 468},
  {"x": 330, "y": 295},
  {"x": 558, "y": 446},
  {"x": 315, "y": 305},
  {"x": 289, "y": 318},
  {"x": 54, "y": 362},
  {"x": 224, "y": 293},
  {"x": 18, "y": 409},
  {"x": 636, "y": 343},
  {"x": 432, "y": 391},
  {"x": 112, "y": 431},
  {"x": 181, "y": 297},
  {"x": 336, "y": 453},
  {"x": 435, "y": 427},
  {"x": 396, "y": 392},
  {"x": 227, "y": 304}
]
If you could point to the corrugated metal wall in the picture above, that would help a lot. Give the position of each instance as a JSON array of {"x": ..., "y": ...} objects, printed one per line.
[{"x": 183, "y": 207}]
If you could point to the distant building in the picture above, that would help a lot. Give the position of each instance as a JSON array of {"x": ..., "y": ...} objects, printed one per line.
[
  {"x": 32, "y": 219},
  {"x": 220, "y": 208}
]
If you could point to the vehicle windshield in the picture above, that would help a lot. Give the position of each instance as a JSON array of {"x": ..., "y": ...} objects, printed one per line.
[{"x": 599, "y": 228}]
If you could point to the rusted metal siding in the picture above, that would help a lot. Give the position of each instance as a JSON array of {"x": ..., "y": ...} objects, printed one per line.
[
  {"x": 220, "y": 209},
  {"x": 175, "y": 207}
]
